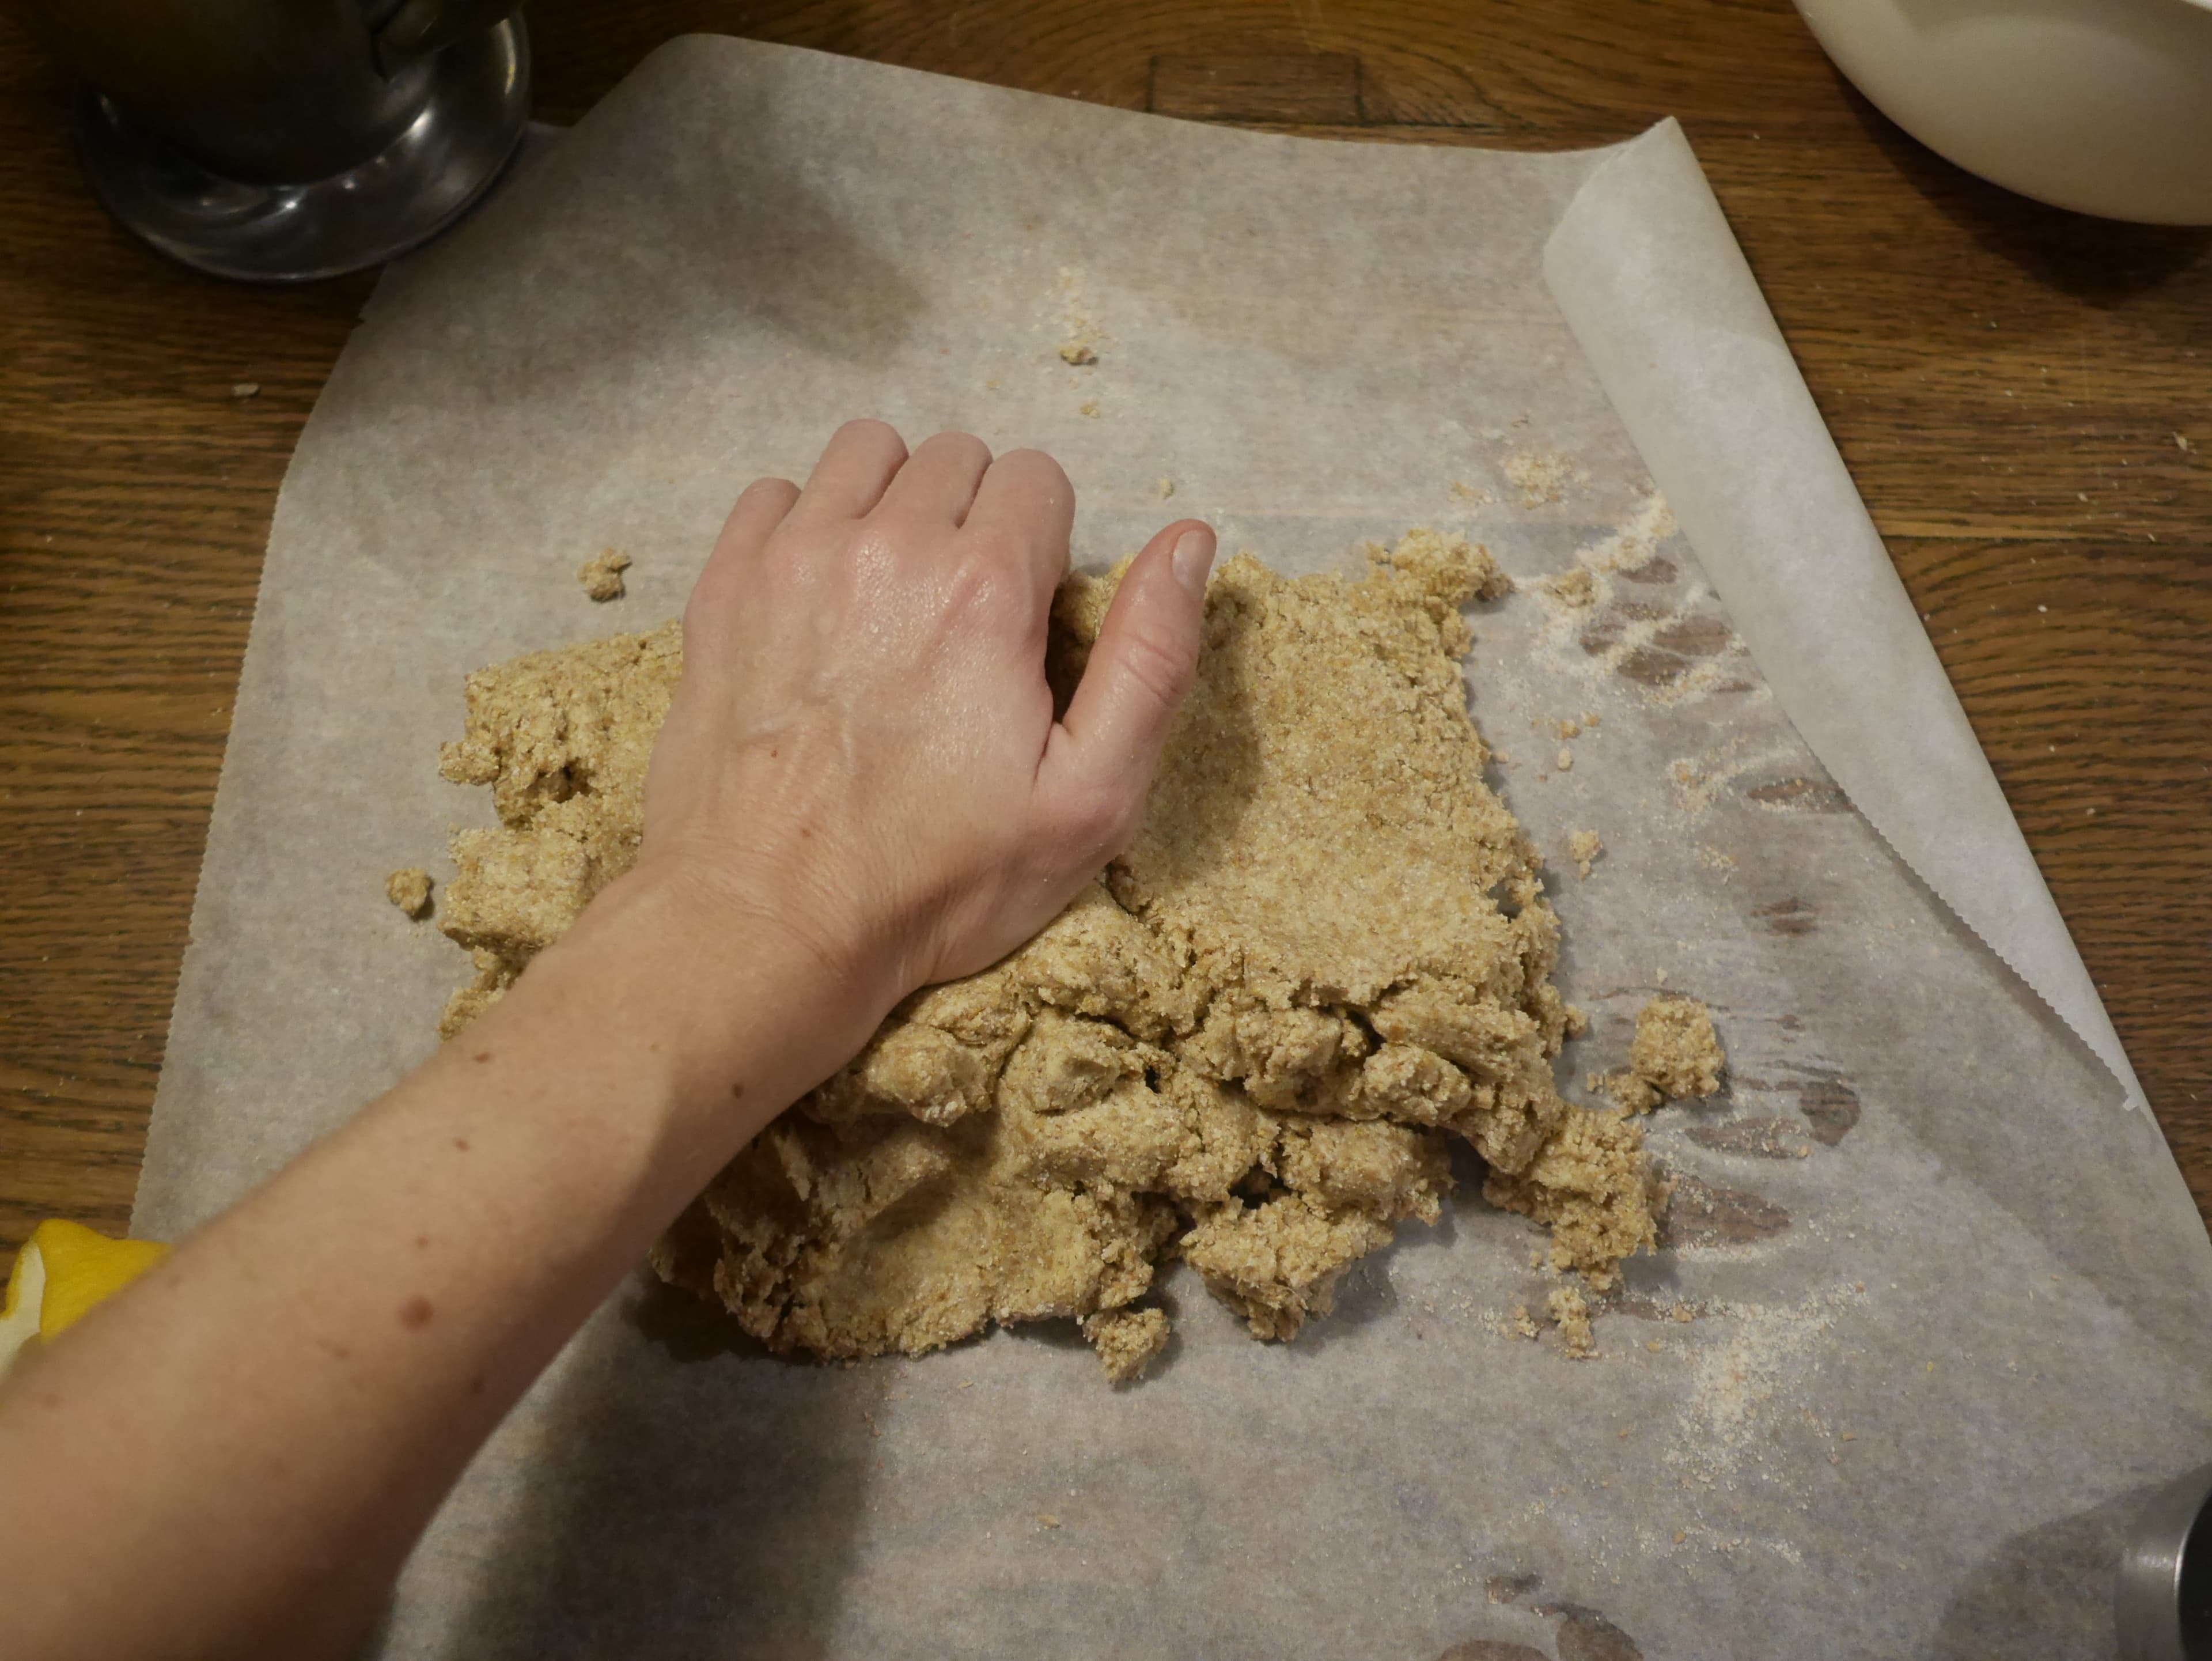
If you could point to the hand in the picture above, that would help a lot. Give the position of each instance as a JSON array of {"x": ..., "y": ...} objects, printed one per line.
[
  {"x": 862, "y": 760},
  {"x": 862, "y": 749}
]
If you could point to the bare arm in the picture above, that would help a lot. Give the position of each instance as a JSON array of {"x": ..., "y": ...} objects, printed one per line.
[{"x": 860, "y": 790}]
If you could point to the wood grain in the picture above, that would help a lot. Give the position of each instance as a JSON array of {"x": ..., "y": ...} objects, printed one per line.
[{"x": 2020, "y": 393}]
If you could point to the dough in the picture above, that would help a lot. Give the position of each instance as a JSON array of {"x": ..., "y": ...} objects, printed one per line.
[
  {"x": 1674, "y": 1054},
  {"x": 1325, "y": 951},
  {"x": 1583, "y": 847},
  {"x": 1126, "y": 1340},
  {"x": 601, "y": 575},
  {"x": 1675, "y": 1050},
  {"x": 410, "y": 889},
  {"x": 1570, "y": 1312}
]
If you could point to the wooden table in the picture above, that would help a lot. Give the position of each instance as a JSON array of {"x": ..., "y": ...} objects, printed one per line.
[{"x": 2025, "y": 398}]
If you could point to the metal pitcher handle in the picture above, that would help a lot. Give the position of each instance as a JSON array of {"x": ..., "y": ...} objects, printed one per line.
[{"x": 403, "y": 31}]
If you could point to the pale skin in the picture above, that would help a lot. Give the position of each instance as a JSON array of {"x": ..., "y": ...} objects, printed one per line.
[{"x": 860, "y": 790}]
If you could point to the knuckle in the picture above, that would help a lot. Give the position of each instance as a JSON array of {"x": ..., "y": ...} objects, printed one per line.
[
  {"x": 1039, "y": 466},
  {"x": 983, "y": 591},
  {"x": 1037, "y": 478},
  {"x": 868, "y": 437},
  {"x": 957, "y": 443}
]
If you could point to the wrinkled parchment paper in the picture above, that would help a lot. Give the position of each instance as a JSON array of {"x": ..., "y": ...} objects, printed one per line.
[{"x": 1946, "y": 1309}]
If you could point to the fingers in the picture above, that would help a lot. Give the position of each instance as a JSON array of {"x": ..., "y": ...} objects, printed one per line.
[
  {"x": 937, "y": 485},
  {"x": 1025, "y": 504},
  {"x": 857, "y": 466},
  {"x": 1098, "y": 764},
  {"x": 710, "y": 615},
  {"x": 757, "y": 513}
]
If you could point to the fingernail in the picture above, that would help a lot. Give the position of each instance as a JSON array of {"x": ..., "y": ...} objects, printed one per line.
[{"x": 1192, "y": 559}]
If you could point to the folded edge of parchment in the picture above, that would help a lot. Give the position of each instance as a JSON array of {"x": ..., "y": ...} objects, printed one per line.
[{"x": 1670, "y": 317}]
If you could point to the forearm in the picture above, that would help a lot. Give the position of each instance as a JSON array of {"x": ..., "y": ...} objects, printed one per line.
[
  {"x": 232, "y": 1456},
  {"x": 310, "y": 1372}
]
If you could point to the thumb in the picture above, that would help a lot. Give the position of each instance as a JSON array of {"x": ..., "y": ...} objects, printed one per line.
[{"x": 1099, "y": 760}]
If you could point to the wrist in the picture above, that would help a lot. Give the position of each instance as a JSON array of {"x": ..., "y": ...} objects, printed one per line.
[{"x": 738, "y": 1000}]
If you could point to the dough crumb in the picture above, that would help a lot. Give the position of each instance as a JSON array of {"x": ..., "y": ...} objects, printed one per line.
[
  {"x": 410, "y": 889},
  {"x": 1569, "y": 728},
  {"x": 1088, "y": 407},
  {"x": 1445, "y": 565},
  {"x": 1628, "y": 1093},
  {"x": 1078, "y": 354},
  {"x": 1594, "y": 1186},
  {"x": 1253, "y": 1063},
  {"x": 1675, "y": 1050},
  {"x": 1566, "y": 761},
  {"x": 245, "y": 389},
  {"x": 1583, "y": 847},
  {"x": 1570, "y": 1312},
  {"x": 602, "y": 574},
  {"x": 1574, "y": 587},
  {"x": 1524, "y": 1324},
  {"x": 1166, "y": 487},
  {"x": 1126, "y": 1340}
]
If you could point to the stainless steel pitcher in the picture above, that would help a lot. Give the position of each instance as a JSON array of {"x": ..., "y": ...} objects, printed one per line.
[{"x": 280, "y": 140}]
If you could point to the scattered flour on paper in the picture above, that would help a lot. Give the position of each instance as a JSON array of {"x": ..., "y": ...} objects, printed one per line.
[
  {"x": 1542, "y": 477},
  {"x": 1675, "y": 652},
  {"x": 1698, "y": 781},
  {"x": 1741, "y": 1384}
]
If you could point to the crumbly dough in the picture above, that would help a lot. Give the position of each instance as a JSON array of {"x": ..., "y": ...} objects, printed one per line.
[
  {"x": 1325, "y": 949},
  {"x": 1582, "y": 848},
  {"x": 601, "y": 575},
  {"x": 410, "y": 889},
  {"x": 1626, "y": 1091},
  {"x": 1126, "y": 1340},
  {"x": 1675, "y": 1050},
  {"x": 1574, "y": 587},
  {"x": 1570, "y": 1312}
]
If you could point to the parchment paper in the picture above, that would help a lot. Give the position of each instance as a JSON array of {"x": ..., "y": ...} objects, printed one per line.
[
  {"x": 1668, "y": 315},
  {"x": 1946, "y": 1318}
]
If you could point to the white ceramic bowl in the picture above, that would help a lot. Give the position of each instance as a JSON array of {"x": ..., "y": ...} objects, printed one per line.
[{"x": 2101, "y": 105}]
